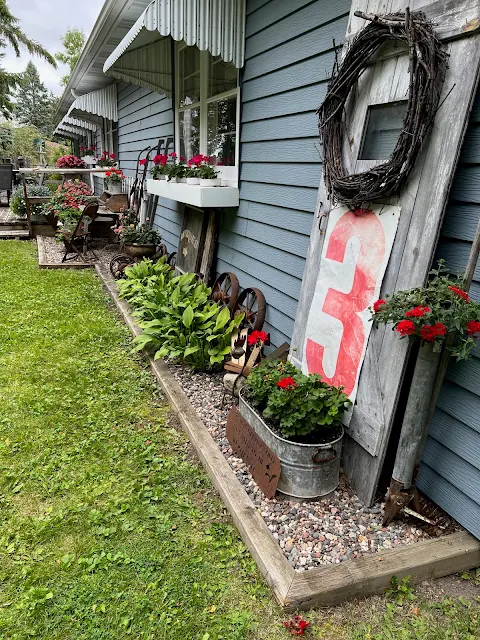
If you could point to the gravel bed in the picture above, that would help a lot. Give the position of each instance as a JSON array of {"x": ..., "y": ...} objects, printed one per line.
[
  {"x": 313, "y": 533},
  {"x": 104, "y": 251}
]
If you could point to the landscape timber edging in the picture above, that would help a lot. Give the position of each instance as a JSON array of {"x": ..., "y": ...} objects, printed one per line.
[
  {"x": 323, "y": 586},
  {"x": 43, "y": 264}
]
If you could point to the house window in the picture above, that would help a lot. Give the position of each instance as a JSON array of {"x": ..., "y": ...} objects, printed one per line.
[{"x": 207, "y": 108}]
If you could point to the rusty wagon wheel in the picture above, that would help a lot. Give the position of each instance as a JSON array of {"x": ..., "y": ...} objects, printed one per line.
[
  {"x": 252, "y": 303},
  {"x": 118, "y": 264},
  {"x": 225, "y": 290},
  {"x": 162, "y": 251}
]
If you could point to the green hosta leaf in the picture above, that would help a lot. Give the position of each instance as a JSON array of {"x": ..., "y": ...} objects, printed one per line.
[
  {"x": 190, "y": 350},
  {"x": 222, "y": 319},
  {"x": 187, "y": 317}
]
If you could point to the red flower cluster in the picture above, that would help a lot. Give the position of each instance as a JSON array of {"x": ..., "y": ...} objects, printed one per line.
[
  {"x": 417, "y": 312},
  {"x": 92, "y": 148},
  {"x": 460, "y": 292},
  {"x": 160, "y": 159},
  {"x": 198, "y": 160},
  {"x": 473, "y": 326},
  {"x": 256, "y": 336},
  {"x": 296, "y": 625},
  {"x": 286, "y": 383},
  {"x": 70, "y": 162},
  {"x": 113, "y": 173},
  {"x": 405, "y": 328},
  {"x": 377, "y": 306},
  {"x": 143, "y": 162},
  {"x": 430, "y": 332}
]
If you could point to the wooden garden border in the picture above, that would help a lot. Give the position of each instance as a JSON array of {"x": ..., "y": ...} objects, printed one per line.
[
  {"x": 323, "y": 586},
  {"x": 43, "y": 264}
]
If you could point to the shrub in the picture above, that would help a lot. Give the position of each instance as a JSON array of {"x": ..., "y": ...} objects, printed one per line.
[
  {"x": 178, "y": 318},
  {"x": 17, "y": 200},
  {"x": 143, "y": 279},
  {"x": 295, "y": 404}
]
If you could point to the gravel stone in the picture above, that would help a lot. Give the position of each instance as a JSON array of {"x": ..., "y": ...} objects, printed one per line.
[{"x": 311, "y": 534}]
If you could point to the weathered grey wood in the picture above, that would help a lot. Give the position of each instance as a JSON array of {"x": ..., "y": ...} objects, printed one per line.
[
  {"x": 414, "y": 426},
  {"x": 267, "y": 554},
  {"x": 422, "y": 205},
  {"x": 372, "y": 574}
]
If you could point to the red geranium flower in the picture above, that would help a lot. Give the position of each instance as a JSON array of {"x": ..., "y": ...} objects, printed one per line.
[
  {"x": 430, "y": 332},
  {"x": 378, "y": 305},
  {"x": 473, "y": 326},
  {"x": 405, "y": 327},
  {"x": 460, "y": 292},
  {"x": 417, "y": 312},
  {"x": 286, "y": 383},
  {"x": 256, "y": 336},
  {"x": 296, "y": 625},
  {"x": 112, "y": 155},
  {"x": 173, "y": 154},
  {"x": 143, "y": 162}
]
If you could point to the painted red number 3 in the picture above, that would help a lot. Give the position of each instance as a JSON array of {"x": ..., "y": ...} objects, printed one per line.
[{"x": 346, "y": 306}]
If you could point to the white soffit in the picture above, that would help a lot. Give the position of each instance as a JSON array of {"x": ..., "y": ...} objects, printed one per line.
[
  {"x": 143, "y": 56},
  {"x": 96, "y": 105}
]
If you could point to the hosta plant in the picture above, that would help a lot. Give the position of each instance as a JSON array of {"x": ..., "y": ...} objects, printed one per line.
[
  {"x": 142, "y": 279},
  {"x": 432, "y": 313},
  {"x": 186, "y": 325},
  {"x": 295, "y": 404}
]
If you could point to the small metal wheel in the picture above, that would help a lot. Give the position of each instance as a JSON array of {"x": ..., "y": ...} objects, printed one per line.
[
  {"x": 118, "y": 264},
  {"x": 225, "y": 290},
  {"x": 252, "y": 303},
  {"x": 172, "y": 259}
]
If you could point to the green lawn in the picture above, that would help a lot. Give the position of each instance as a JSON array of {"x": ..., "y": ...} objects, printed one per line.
[{"x": 109, "y": 529}]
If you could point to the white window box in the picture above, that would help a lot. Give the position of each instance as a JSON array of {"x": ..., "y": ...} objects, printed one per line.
[{"x": 194, "y": 194}]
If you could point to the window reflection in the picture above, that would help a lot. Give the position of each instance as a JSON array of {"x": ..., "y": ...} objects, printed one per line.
[{"x": 222, "y": 123}]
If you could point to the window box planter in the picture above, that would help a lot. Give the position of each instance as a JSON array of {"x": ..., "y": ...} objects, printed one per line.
[
  {"x": 195, "y": 195},
  {"x": 307, "y": 470}
]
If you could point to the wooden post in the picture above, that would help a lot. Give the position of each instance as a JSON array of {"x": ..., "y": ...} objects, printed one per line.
[{"x": 412, "y": 436}]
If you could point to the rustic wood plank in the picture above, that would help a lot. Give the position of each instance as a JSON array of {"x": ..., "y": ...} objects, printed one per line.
[{"x": 371, "y": 574}]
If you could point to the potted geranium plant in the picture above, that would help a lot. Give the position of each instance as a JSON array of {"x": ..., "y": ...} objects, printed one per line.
[
  {"x": 206, "y": 173},
  {"x": 299, "y": 417},
  {"x": 107, "y": 160},
  {"x": 439, "y": 315},
  {"x": 88, "y": 156},
  {"x": 160, "y": 169},
  {"x": 114, "y": 181},
  {"x": 65, "y": 202},
  {"x": 176, "y": 171}
]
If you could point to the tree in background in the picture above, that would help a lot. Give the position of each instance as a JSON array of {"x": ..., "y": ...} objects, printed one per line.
[
  {"x": 35, "y": 105},
  {"x": 73, "y": 41},
  {"x": 11, "y": 34},
  {"x": 22, "y": 142}
]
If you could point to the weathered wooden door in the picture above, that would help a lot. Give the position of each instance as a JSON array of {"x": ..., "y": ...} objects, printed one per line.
[{"x": 384, "y": 86}]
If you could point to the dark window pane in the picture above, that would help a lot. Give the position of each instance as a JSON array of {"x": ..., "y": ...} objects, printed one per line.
[
  {"x": 222, "y": 76},
  {"x": 384, "y": 125}
]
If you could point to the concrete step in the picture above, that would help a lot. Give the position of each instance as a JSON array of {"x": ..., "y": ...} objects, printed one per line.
[
  {"x": 14, "y": 234},
  {"x": 12, "y": 226}
]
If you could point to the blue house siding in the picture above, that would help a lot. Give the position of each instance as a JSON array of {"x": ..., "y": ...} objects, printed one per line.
[
  {"x": 450, "y": 471},
  {"x": 289, "y": 58},
  {"x": 143, "y": 117}
]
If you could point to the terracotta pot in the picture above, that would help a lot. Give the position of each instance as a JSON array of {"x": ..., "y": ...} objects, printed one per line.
[{"x": 135, "y": 250}]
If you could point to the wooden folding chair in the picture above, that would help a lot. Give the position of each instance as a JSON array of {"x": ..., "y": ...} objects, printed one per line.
[{"x": 74, "y": 240}]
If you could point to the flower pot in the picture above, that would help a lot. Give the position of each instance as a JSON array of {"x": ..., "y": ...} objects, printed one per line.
[
  {"x": 210, "y": 182},
  {"x": 193, "y": 180},
  {"x": 135, "y": 250},
  {"x": 115, "y": 187},
  {"x": 89, "y": 160},
  {"x": 307, "y": 470},
  {"x": 172, "y": 180},
  {"x": 161, "y": 177},
  {"x": 182, "y": 180}
]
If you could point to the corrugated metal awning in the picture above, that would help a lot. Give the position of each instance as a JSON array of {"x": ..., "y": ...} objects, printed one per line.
[
  {"x": 96, "y": 105},
  {"x": 143, "y": 56}
]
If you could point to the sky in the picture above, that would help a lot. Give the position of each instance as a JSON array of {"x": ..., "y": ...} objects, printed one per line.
[{"x": 46, "y": 21}]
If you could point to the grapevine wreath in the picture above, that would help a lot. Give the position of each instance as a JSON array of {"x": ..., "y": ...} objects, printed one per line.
[{"x": 427, "y": 67}]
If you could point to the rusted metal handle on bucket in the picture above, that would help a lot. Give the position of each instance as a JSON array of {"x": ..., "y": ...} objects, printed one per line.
[{"x": 316, "y": 460}]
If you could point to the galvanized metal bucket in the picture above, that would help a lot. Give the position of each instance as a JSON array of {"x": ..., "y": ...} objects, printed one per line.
[{"x": 307, "y": 470}]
